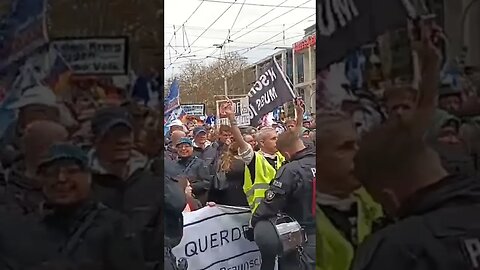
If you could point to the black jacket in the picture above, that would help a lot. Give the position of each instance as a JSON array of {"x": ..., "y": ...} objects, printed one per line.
[
  {"x": 291, "y": 191},
  {"x": 20, "y": 194},
  {"x": 175, "y": 203},
  {"x": 439, "y": 229},
  {"x": 198, "y": 172},
  {"x": 89, "y": 237},
  {"x": 208, "y": 154},
  {"x": 139, "y": 197}
]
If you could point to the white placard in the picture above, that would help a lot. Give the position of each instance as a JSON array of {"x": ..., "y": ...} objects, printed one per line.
[
  {"x": 240, "y": 106},
  {"x": 94, "y": 56},
  {"x": 194, "y": 109},
  {"x": 214, "y": 239}
]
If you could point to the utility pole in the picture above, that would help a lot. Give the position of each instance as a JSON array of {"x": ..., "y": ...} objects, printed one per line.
[{"x": 225, "y": 85}]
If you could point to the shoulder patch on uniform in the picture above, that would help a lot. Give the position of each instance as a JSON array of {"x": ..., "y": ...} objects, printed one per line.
[
  {"x": 269, "y": 195},
  {"x": 276, "y": 183},
  {"x": 280, "y": 172}
]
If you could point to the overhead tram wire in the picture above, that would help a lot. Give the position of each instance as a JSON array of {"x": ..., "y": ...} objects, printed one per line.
[
  {"x": 263, "y": 42},
  {"x": 218, "y": 18},
  {"x": 257, "y": 5},
  {"x": 257, "y": 19},
  {"x": 275, "y": 18},
  {"x": 183, "y": 24},
  {"x": 229, "y": 36},
  {"x": 247, "y": 49}
]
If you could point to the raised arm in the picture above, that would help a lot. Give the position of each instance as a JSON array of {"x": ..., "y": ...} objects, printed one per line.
[{"x": 429, "y": 57}]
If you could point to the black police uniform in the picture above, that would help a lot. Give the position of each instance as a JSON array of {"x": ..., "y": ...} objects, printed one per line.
[
  {"x": 438, "y": 228},
  {"x": 292, "y": 193}
]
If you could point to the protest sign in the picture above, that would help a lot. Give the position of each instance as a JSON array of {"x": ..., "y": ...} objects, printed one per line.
[
  {"x": 94, "y": 55},
  {"x": 194, "y": 109},
  {"x": 24, "y": 31},
  {"x": 270, "y": 91},
  {"x": 344, "y": 25},
  {"x": 240, "y": 107},
  {"x": 214, "y": 239}
]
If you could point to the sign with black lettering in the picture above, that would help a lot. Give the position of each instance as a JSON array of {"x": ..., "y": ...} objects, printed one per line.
[
  {"x": 94, "y": 55},
  {"x": 344, "y": 25},
  {"x": 214, "y": 238},
  {"x": 194, "y": 109},
  {"x": 240, "y": 107},
  {"x": 270, "y": 91}
]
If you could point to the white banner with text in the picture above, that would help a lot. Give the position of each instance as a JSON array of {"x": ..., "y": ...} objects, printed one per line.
[{"x": 214, "y": 239}]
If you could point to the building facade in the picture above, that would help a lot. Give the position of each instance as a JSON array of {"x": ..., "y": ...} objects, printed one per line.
[{"x": 304, "y": 58}]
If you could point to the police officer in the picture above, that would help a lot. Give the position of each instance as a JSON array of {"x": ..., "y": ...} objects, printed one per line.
[
  {"x": 437, "y": 225},
  {"x": 72, "y": 227},
  {"x": 292, "y": 192}
]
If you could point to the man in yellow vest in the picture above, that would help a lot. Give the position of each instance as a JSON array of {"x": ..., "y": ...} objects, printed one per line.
[
  {"x": 261, "y": 166},
  {"x": 345, "y": 212}
]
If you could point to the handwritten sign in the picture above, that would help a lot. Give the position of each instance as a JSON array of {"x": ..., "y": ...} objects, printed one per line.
[{"x": 94, "y": 56}]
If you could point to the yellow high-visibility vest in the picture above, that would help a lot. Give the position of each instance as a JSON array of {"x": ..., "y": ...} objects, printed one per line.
[
  {"x": 334, "y": 252},
  {"x": 264, "y": 174}
]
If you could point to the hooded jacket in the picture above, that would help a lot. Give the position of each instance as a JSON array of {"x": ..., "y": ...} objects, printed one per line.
[{"x": 437, "y": 229}]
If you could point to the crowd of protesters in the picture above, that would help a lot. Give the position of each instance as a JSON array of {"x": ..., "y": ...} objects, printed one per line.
[
  {"x": 78, "y": 189},
  {"x": 236, "y": 166}
]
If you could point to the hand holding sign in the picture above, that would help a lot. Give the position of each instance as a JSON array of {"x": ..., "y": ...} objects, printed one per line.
[
  {"x": 428, "y": 53},
  {"x": 299, "y": 106},
  {"x": 228, "y": 110}
]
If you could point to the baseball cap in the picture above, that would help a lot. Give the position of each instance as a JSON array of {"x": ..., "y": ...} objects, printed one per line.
[
  {"x": 447, "y": 90},
  {"x": 198, "y": 130},
  {"x": 36, "y": 95},
  {"x": 185, "y": 140},
  {"x": 62, "y": 151},
  {"x": 176, "y": 123},
  {"x": 107, "y": 118}
]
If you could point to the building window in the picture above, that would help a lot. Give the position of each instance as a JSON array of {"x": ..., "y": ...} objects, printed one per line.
[{"x": 300, "y": 68}]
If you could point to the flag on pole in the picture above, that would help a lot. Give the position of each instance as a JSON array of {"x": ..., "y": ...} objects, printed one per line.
[
  {"x": 172, "y": 100},
  {"x": 59, "y": 73},
  {"x": 176, "y": 114}
]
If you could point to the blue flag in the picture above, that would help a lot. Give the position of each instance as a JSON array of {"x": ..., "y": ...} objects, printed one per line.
[{"x": 172, "y": 100}]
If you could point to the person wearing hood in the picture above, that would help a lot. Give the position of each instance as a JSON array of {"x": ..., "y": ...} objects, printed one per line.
[
  {"x": 22, "y": 188},
  {"x": 444, "y": 137},
  {"x": 292, "y": 192},
  {"x": 120, "y": 177}
]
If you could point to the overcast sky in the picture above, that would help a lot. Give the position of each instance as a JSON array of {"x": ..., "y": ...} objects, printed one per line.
[{"x": 270, "y": 34}]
